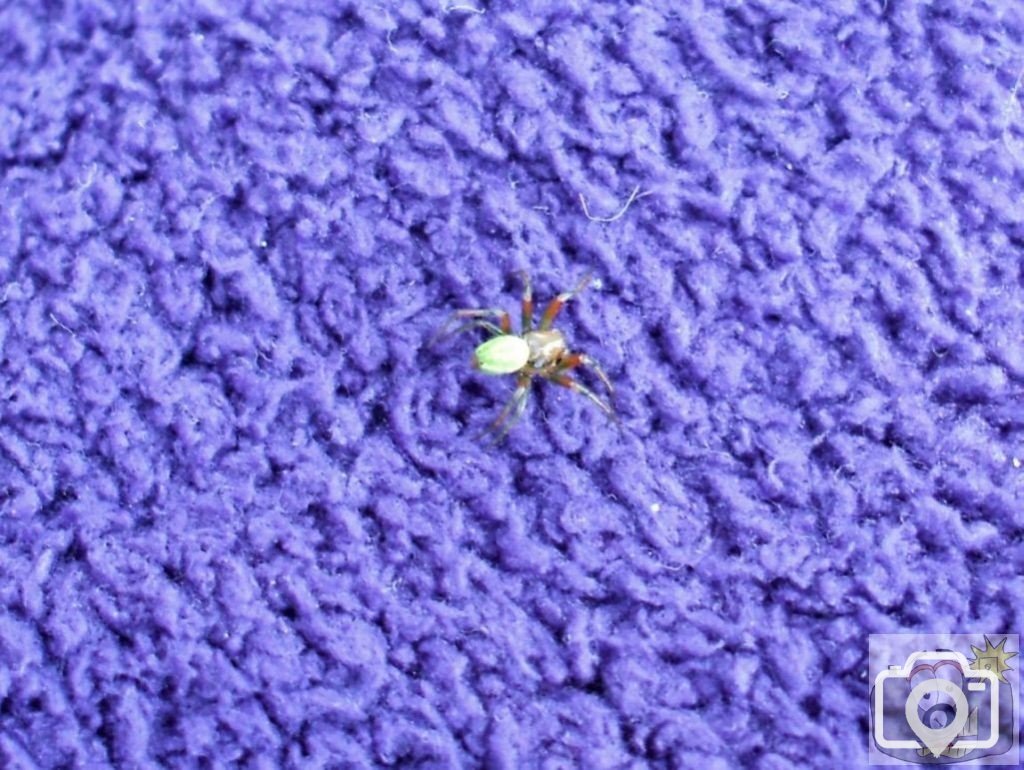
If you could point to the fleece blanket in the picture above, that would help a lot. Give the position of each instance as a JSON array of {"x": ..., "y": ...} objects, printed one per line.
[{"x": 245, "y": 520}]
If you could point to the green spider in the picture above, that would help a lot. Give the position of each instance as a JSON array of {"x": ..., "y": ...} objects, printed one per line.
[{"x": 540, "y": 352}]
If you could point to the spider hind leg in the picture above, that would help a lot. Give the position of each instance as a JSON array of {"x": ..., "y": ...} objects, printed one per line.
[
  {"x": 477, "y": 319},
  {"x": 499, "y": 427}
]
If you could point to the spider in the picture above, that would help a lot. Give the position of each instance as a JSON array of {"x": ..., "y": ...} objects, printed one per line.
[{"x": 540, "y": 352}]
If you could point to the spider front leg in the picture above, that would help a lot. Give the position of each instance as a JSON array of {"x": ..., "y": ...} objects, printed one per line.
[
  {"x": 567, "y": 382},
  {"x": 581, "y": 359},
  {"x": 527, "y": 312},
  {"x": 556, "y": 305}
]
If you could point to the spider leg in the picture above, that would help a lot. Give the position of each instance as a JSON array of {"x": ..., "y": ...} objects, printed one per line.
[
  {"x": 527, "y": 314},
  {"x": 510, "y": 413},
  {"x": 566, "y": 382},
  {"x": 464, "y": 328},
  {"x": 581, "y": 359},
  {"x": 504, "y": 321},
  {"x": 504, "y": 325},
  {"x": 555, "y": 305}
]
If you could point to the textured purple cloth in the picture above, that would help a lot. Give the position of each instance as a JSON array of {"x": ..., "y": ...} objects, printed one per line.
[{"x": 243, "y": 518}]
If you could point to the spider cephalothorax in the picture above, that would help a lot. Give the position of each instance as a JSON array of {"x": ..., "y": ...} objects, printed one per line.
[{"x": 540, "y": 352}]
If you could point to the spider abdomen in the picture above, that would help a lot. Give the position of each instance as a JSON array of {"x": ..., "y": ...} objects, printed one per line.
[{"x": 504, "y": 354}]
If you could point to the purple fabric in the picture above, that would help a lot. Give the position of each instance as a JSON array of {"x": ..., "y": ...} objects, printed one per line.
[{"x": 243, "y": 518}]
